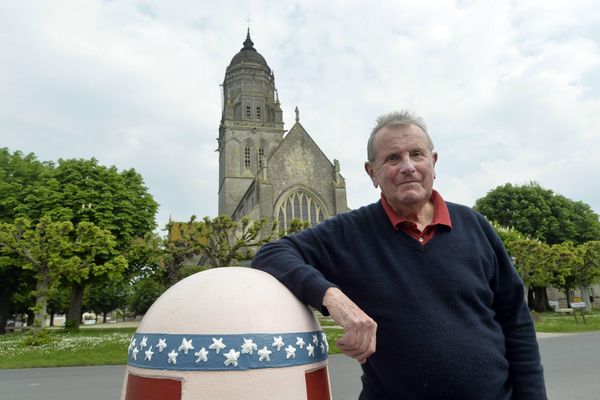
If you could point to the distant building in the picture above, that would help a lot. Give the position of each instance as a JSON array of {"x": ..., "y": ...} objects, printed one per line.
[{"x": 262, "y": 173}]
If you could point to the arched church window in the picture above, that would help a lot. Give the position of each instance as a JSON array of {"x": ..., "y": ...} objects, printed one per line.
[
  {"x": 247, "y": 156},
  {"x": 299, "y": 204},
  {"x": 248, "y": 111},
  {"x": 261, "y": 156},
  {"x": 257, "y": 112}
]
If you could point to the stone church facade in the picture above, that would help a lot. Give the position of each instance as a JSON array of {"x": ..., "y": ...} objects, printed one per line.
[{"x": 264, "y": 172}]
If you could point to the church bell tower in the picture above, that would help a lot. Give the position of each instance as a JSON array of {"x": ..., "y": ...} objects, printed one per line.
[{"x": 251, "y": 124}]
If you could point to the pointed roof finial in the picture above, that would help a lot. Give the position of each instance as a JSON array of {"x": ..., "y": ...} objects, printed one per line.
[
  {"x": 297, "y": 114},
  {"x": 248, "y": 43}
]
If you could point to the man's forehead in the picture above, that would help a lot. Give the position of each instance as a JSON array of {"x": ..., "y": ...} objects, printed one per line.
[{"x": 409, "y": 135}]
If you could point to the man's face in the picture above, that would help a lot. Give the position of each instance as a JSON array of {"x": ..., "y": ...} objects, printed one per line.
[{"x": 404, "y": 166}]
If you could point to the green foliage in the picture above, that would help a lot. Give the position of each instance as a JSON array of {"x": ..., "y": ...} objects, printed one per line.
[
  {"x": 216, "y": 242},
  {"x": 106, "y": 295},
  {"x": 539, "y": 213},
  {"x": 297, "y": 225},
  {"x": 533, "y": 262},
  {"x": 37, "y": 338},
  {"x": 145, "y": 293},
  {"x": 42, "y": 249}
]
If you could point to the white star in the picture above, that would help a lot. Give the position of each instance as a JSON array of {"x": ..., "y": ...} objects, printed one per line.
[
  {"x": 324, "y": 339},
  {"x": 149, "y": 354},
  {"x": 144, "y": 343},
  {"x": 300, "y": 342},
  {"x": 134, "y": 353},
  {"x": 264, "y": 354},
  {"x": 315, "y": 340},
  {"x": 278, "y": 342},
  {"x": 290, "y": 352},
  {"x": 311, "y": 350},
  {"x": 322, "y": 347},
  {"x": 202, "y": 355},
  {"x": 162, "y": 343},
  {"x": 173, "y": 357},
  {"x": 131, "y": 344},
  {"x": 217, "y": 345},
  {"x": 186, "y": 345},
  {"x": 231, "y": 357},
  {"x": 249, "y": 346}
]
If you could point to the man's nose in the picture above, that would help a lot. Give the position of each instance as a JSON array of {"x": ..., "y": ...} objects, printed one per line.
[{"x": 406, "y": 165}]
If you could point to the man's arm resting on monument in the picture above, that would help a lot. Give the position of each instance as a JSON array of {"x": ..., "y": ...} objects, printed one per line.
[{"x": 290, "y": 261}]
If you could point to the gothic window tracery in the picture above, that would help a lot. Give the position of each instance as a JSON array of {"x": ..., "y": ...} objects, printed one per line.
[{"x": 299, "y": 204}]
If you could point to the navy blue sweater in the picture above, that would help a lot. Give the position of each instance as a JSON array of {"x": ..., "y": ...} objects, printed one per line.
[{"x": 452, "y": 320}]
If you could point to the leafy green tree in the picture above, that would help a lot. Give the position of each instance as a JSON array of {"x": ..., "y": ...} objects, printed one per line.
[
  {"x": 216, "y": 242},
  {"x": 41, "y": 248},
  {"x": 19, "y": 173},
  {"x": 145, "y": 293},
  {"x": 539, "y": 213},
  {"x": 107, "y": 295},
  {"x": 228, "y": 240},
  {"x": 585, "y": 270},
  {"x": 539, "y": 266},
  {"x": 94, "y": 256}
]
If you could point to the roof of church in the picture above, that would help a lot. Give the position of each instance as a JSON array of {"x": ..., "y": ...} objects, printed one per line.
[{"x": 248, "y": 54}]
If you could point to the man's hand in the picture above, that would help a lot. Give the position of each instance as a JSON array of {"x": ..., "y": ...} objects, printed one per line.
[{"x": 359, "y": 338}]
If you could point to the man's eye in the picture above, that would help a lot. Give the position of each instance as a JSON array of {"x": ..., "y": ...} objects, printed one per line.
[{"x": 391, "y": 158}]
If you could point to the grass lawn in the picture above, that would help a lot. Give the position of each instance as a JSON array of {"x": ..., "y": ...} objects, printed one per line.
[
  {"x": 88, "y": 347},
  {"x": 109, "y": 345},
  {"x": 554, "y": 322}
]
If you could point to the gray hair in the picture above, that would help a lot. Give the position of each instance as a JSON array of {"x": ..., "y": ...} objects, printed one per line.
[{"x": 395, "y": 118}]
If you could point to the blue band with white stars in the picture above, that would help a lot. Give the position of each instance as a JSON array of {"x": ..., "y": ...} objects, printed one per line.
[{"x": 226, "y": 352}]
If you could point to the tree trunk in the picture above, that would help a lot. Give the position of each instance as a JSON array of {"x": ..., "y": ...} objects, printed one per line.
[
  {"x": 30, "y": 319},
  {"x": 74, "y": 314},
  {"x": 103, "y": 317},
  {"x": 4, "y": 304},
  {"x": 568, "y": 295},
  {"x": 530, "y": 299},
  {"x": 51, "y": 319},
  {"x": 540, "y": 303},
  {"x": 41, "y": 301}
]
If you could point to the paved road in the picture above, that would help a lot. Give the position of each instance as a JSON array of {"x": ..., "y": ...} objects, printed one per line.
[{"x": 571, "y": 365}]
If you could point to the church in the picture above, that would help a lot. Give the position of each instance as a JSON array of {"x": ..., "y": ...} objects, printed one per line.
[{"x": 265, "y": 172}]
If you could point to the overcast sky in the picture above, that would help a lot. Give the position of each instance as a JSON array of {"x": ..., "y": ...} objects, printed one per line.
[{"x": 510, "y": 90}]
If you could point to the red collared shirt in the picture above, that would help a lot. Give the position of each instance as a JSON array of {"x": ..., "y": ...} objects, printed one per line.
[{"x": 441, "y": 216}]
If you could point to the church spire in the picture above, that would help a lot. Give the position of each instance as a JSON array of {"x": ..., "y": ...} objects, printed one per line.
[{"x": 248, "y": 43}]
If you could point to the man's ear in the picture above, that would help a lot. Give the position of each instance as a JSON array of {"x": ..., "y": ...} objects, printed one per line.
[
  {"x": 369, "y": 170},
  {"x": 435, "y": 158}
]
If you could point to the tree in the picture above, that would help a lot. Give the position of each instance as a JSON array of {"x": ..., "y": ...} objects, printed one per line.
[
  {"x": 41, "y": 248},
  {"x": 228, "y": 241},
  {"x": 107, "y": 295},
  {"x": 586, "y": 271},
  {"x": 93, "y": 255},
  {"x": 18, "y": 175},
  {"x": 539, "y": 267},
  {"x": 217, "y": 242},
  {"x": 539, "y": 213},
  {"x": 145, "y": 293}
]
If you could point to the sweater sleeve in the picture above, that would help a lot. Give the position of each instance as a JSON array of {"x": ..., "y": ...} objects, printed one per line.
[
  {"x": 301, "y": 262},
  {"x": 522, "y": 352}
]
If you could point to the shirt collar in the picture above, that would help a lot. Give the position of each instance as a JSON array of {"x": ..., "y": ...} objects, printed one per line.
[{"x": 441, "y": 215}]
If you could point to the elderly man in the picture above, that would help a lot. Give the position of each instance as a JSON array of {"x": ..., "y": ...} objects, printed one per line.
[{"x": 429, "y": 301}]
